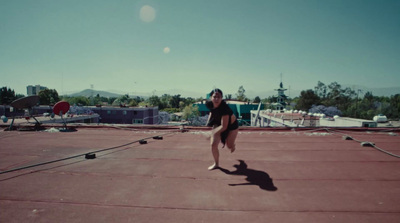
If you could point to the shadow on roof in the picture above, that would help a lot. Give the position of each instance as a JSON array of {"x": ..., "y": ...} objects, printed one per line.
[{"x": 253, "y": 177}]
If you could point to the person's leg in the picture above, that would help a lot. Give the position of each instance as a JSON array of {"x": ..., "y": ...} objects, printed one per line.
[
  {"x": 230, "y": 140},
  {"x": 214, "y": 149}
]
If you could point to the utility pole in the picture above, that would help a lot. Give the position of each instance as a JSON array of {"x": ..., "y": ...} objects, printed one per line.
[
  {"x": 91, "y": 95},
  {"x": 355, "y": 113}
]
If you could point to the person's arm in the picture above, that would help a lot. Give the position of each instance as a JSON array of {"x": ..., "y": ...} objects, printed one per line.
[
  {"x": 223, "y": 126},
  {"x": 208, "y": 120}
]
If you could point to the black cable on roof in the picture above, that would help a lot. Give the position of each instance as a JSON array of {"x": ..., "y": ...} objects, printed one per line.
[
  {"x": 370, "y": 144},
  {"x": 83, "y": 154}
]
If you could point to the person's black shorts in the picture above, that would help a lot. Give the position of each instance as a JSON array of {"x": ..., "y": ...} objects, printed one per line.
[{"x": 231, "y": 127}]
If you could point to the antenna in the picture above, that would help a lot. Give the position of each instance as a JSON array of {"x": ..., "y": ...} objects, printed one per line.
[
  {"x": 91, "y": 94},
  {"x": 62, "y": 83},
  {"x": 91, "y": 87}
]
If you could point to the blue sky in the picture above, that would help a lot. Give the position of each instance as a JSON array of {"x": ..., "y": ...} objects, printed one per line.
[{"x": 148, "y": 46}]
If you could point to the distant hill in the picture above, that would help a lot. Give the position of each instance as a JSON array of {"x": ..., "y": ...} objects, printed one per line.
[
  {"x": 250, "y": 94},
  {"x": 89, "y": 92},
  {"x": 388, "y": 91}
]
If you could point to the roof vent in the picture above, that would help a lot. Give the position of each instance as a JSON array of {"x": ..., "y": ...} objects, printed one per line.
[
  {"x": 347, "y": 138},
  {"x": 90, "y": 156},
  {"x": 367, "y": 144},
  {"x": 143, "y": 141}
]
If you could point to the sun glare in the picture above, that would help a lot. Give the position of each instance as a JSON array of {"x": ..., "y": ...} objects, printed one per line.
[
  {"x": 166, "y": 50},
  {"x": 147, "y": 13}
]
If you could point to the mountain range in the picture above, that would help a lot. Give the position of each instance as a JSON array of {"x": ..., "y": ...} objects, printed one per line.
[
  {"x": 250, "y": 94},
  {"x": 89, "y": 93}
]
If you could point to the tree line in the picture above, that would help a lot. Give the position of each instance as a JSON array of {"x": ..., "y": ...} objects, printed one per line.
[
  {"x": 347, "y": 102},
  {"x": 330, "y": 99}
]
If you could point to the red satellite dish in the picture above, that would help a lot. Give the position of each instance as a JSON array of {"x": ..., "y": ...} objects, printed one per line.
[{"x": 61, "y": 107}]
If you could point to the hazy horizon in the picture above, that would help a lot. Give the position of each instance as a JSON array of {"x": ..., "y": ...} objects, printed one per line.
[{"x": 250, "y": 93}]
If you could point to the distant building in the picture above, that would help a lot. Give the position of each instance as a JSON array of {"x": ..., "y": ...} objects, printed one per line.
[
  {"x": 127, "y": 115},
  {"x": 281, "y": 98},
  {"x": 290, "y": 118},
  {"x": 347, "y": 122},
  {"x": 108, "y": 115},
  {"x": 34, "y": 90}
]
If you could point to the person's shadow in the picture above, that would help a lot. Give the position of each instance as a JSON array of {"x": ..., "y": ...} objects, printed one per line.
[{"x": 253, "y": 177}]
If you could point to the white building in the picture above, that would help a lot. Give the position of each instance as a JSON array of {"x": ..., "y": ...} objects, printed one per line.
[
  {"x": 289, "y": 118},
  {"x": 346, "y": 122},
  {"x": 34, "y": 90}
]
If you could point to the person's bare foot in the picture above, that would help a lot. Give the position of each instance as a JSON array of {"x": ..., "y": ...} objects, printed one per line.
[
  {"x": 213, "y": 167},
  {"x": 233, "y": 149}
]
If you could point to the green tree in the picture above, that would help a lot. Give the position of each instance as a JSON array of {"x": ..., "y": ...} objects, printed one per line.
[
  {"x": 188, "y": 101},
  {"x": 110, "y": 100},
  {"x": 6, "y": 96},
  {"x": 257, "y": 99},
  {"x": 165, "y": 101},
  {"x": 190, "y": 112},
  {"x": 123, "y": 100},
  {"x": 334, "y": 95},
  {"x": 171, "y": 110},
  {"x": 19, "y": 96},
  {"x": 182, "y": 105},
  {"x": 394, "y": 110},
  {"x": 133, "y": 103},
  {"x": 154, "y": 101},
  {"x": 334, "y": 90},
  {"x": 240, "y": 94},
  {"x": 79, "y": 100},
  {"x": 228, "y": 96},
  {"x": 321, "y": 90},
  {"x": 306, "y": 100},
  {"x": 48, "y": 97},
  {"x": 364, "y": 108},
  {"x": 175, "y": 101},
  {"x": 272, "y": 99}
]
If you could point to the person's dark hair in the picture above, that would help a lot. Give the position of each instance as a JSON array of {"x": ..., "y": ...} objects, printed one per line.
[
  {"x": 216, "y": 90},
  {"x": 209, "y": 103}
]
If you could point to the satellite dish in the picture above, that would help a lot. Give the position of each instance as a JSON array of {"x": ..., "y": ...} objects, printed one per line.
[
  {"x": 61, "y": 107},
  {"x": 25, "y": 102}
]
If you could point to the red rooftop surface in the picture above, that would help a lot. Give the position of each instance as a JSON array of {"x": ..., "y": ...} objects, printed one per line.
[{"x": 275, "y": 175}]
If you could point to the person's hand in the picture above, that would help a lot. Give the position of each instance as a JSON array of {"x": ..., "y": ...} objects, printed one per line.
[
  {"x": 207, "y": 135},
  {"x": 214, "y": 132}
]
